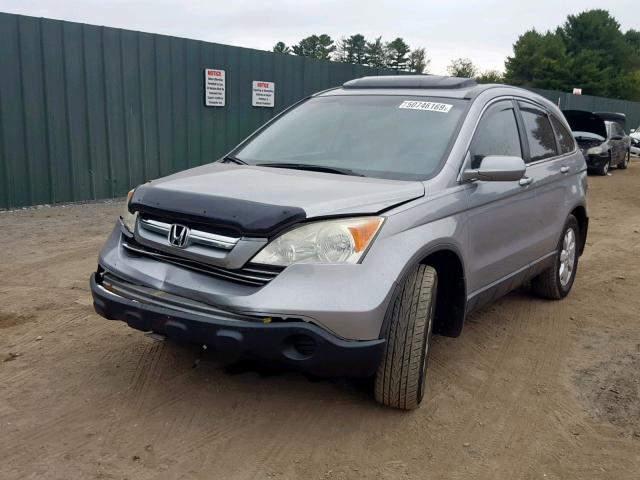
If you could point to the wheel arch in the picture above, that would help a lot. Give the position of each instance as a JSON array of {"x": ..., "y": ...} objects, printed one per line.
[
  {"x": 580, "y": 212},
  {"x": 451, "y": 297}
]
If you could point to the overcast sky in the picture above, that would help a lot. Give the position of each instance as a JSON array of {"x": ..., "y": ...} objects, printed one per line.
[{"x": 483, "y": 30}]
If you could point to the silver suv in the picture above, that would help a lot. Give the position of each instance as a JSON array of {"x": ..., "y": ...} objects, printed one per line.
[{"x": 339, "y": 236}]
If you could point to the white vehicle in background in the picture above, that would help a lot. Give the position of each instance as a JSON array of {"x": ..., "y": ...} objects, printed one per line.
[{"x": 635, "y": 141}]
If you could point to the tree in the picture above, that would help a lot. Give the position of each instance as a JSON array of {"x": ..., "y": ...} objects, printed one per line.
[
  {"x": 280, "y": 47},
  {"x": 462, "y": 67},
  {"x": 418, "y": 61},
  {"x": 397, "y": 51},
  {"x": 490, "y": 76},
  {"x": 315, "y": 46},
  {"x": 588, "y": 51},
  {"x": 595, "y": 35},
  {"x": 539, "y": 61},
  {"x": 375, "y": 53},
  {"x": 352, "y": 49},
  {"x": 340, "y": 54}
]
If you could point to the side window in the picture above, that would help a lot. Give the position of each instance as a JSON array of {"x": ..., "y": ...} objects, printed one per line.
[
  {"x": 497, "y": 134},
  {"x": 542, "y": 142},
  {"x": 564, "y": 136}
]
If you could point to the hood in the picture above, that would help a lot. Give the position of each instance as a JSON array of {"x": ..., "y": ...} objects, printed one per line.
[
  {"x": 260, "y": 201},
  {"x": 582, "y": 121}
]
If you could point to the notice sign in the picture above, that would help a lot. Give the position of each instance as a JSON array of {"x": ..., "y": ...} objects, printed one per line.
[
  {"x": 263, "y": 94},
  {"x": 214, "y": 87}
]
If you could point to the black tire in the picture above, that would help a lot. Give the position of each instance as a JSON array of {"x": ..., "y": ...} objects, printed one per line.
[
  {"x": 400, "y": 379},
  {"x": 625, "y": 162},
  {"x": 604, "y": 168},
  {"x": 548, "y": 284}
]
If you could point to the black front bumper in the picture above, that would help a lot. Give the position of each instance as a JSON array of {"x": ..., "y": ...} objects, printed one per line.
[
  {"x": 297, "y": 344},
  {"x": 595, "y": 162}
]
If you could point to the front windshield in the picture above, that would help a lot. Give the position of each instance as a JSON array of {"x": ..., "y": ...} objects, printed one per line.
[{"x": 382, "y": 136}]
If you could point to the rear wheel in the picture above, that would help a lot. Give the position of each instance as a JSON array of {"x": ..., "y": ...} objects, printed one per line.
[
  {"x": 400, "y": 379},
  {"x": 556, "y": 282},
  {"x": 625, "y": 162}
]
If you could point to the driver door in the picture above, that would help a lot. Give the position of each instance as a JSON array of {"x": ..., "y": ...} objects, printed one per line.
[{"x": 502, "y": 214}]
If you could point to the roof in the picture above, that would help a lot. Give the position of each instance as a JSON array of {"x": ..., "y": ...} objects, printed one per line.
[{"x": 431, "y": 82}]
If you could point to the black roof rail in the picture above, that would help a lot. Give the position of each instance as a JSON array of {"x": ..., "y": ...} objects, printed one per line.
[{"x": 411, "y": 81}]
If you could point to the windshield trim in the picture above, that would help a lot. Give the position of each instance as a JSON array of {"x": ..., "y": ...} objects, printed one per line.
[{"x": 405, "y": 177}]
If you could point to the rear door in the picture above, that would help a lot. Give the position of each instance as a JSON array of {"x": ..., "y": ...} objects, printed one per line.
[{"x": 548, "y": 169}]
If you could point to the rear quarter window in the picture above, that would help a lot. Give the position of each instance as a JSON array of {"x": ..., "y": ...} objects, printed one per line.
[{"x": 565, "y": 139}]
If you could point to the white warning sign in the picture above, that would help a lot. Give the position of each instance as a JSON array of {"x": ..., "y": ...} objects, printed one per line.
[
  {"x": 263, "y": 94},
  {"x": 214, "y": 87}
]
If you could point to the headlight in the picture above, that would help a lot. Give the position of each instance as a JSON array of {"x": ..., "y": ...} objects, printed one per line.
[
  {"x": 329, "y": 241},
  {"x": 128, "y": 218},
  {"x": 595, "y": 151}
]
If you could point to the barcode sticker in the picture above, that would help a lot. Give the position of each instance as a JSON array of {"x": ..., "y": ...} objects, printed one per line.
[{"x": 426, "y": 106}]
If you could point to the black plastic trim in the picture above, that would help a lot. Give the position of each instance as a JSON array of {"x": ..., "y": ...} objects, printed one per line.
[
  {"x": 247, "y": 218},
  {"x": 232, "y": 338}
]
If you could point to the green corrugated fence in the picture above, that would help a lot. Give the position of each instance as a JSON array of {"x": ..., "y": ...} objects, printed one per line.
[{"x": 87, "y": 112}]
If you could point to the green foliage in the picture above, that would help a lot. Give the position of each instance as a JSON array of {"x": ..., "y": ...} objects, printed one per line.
[
  {"x": 490, "y": 76},
  {"x": 588, "y": 51},
  {"x": 539, "y": 61},
  {"x": 315, "y": 46},
  {"x": 356, "y": 49},
  {"x": 418, "y": 61},
  {"x": 280, "y": 47},
  {"x": 352, "y": 49},
  {"x": 462, "y": 67},
  {"x": 375, "y": 53},
  {"x": 397, "y": 51}
]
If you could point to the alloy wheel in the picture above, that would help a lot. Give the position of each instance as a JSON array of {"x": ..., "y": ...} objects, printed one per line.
[{"x": 567, "y": 257}]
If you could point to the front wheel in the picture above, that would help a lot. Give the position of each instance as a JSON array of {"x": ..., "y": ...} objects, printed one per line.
[
  {"x": 400, "y": 379},
  {"x": 556, "y": 282},
  {"x": 604, "y": 168}
]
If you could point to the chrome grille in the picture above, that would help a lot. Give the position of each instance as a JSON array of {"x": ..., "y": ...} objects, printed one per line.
[
  {"x": 200, "y": 237},
  {"x": 251, "y": 274}
]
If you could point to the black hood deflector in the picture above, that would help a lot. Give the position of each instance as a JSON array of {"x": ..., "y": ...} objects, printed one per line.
[{"x": 245, "y": 217}]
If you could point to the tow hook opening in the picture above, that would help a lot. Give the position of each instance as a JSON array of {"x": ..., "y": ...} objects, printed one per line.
[{"x": 299, "y": 347}]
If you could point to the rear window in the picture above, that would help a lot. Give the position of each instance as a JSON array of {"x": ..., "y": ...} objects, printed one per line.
[
  {"x": 542, "y": 141},
  {"x": 385, "y": 136}
]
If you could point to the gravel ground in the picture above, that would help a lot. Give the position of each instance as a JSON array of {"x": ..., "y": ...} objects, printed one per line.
[{"x": 532, "y": 388}]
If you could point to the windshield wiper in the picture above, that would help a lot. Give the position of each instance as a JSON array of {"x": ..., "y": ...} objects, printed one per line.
[
  {"x": 312, "y": 168},
  {"x": 231, "y": 159}
]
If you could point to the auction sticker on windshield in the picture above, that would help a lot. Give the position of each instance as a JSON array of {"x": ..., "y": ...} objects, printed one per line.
[{"x": 426, "y": 106}]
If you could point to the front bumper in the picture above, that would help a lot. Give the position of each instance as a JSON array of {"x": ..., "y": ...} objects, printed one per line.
[
  {"x": 297, "y": 344},
  {"x": 349, "y": 301},
  {"x": 595, "y": 162}
]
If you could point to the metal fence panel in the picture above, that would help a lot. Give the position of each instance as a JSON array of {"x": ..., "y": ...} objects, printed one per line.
[{"x": 87, "y": 112}]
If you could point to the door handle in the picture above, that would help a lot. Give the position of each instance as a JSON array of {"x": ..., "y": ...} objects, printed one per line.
[
  {"x": 524, "y": 181},
  {"x": 564, "y": 169}
]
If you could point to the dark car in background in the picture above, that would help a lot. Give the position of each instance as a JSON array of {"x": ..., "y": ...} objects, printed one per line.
[{"x": 601, "y": 138}]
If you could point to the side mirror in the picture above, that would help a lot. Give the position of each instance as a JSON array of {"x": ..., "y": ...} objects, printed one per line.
[
  {"x": 633, "y": 130},
  {"x": 497, "y": 168}
]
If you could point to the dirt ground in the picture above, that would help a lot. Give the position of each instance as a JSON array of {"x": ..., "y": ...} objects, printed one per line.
[{"x": 532, "y": 388}]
